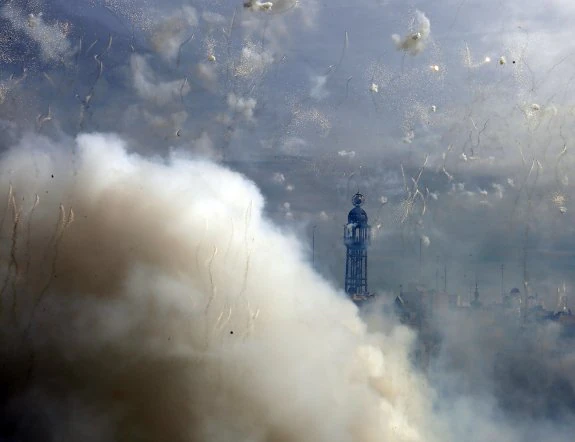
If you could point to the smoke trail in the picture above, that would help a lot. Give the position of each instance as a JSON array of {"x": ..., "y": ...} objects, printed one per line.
[{"x": 130, "y": 341}]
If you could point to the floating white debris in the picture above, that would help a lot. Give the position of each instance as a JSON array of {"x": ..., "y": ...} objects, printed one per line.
[
  {"x": 498, "y": 190},
  {"x": 414, "y": 42},
  {"x": 535, "y": 107},
  {"x": 212, "y": 58},
  {"x": 434, "y": 68},
  {"x": 502, "y": 60},
  {"x": 374, "y": 88},
  {"x": 433, "y": 108},
  {"x": 425, "y": 241},
  {"x": 487, "y": 60},
  {"x": 279, "y": 178},
  {"x": 34, "y": 19},
  {"x": 409, "y": 136},
  {"x": 345, "y": 153},
  {"x": 256, "y": 5},
  {"x": 559, "y": 200}
]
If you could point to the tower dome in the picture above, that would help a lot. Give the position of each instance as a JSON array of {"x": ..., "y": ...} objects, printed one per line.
[{"x": 357, "y": 215}]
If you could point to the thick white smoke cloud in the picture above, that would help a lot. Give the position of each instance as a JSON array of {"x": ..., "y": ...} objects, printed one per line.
[{"x": 159, "y": 304}]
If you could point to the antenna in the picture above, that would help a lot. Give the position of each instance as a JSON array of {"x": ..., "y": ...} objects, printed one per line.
[
  {"x": 525, "y": 254},
  {"x": 445, "y": 277},
  {"x": 313, "y": 246},
  {"x": 420, "y": 258},
  {"x": 502, "y": 283},
  {"x": 525, "y": 277}
]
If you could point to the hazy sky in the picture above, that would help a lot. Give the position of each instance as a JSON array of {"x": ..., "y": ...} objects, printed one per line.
[{"x": 316, "y": 100}]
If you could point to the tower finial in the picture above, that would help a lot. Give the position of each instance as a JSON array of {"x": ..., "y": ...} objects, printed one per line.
[
  {"x": 358, "y": 199},
  {"x": 476, "y": 302}
]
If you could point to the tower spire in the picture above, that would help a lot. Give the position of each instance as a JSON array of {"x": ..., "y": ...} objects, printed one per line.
[{"x": 476, "y": 302}]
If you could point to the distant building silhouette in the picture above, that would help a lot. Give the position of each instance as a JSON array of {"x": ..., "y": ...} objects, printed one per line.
[{"x": 476, "y": 303}]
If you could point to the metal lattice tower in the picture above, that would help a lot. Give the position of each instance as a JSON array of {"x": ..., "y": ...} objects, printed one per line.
[{"x": 356, "y": 237}]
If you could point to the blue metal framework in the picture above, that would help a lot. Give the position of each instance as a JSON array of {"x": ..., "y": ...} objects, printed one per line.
[{"x": 356, "y": 237}]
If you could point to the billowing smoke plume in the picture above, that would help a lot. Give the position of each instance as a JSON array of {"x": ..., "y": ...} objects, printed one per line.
[
  {"x": 508, "y": 379},
  {"x": 158, "y": 303}
]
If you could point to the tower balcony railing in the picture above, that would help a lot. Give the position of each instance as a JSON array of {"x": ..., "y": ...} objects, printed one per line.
[{"x": 356, "y": 236}]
